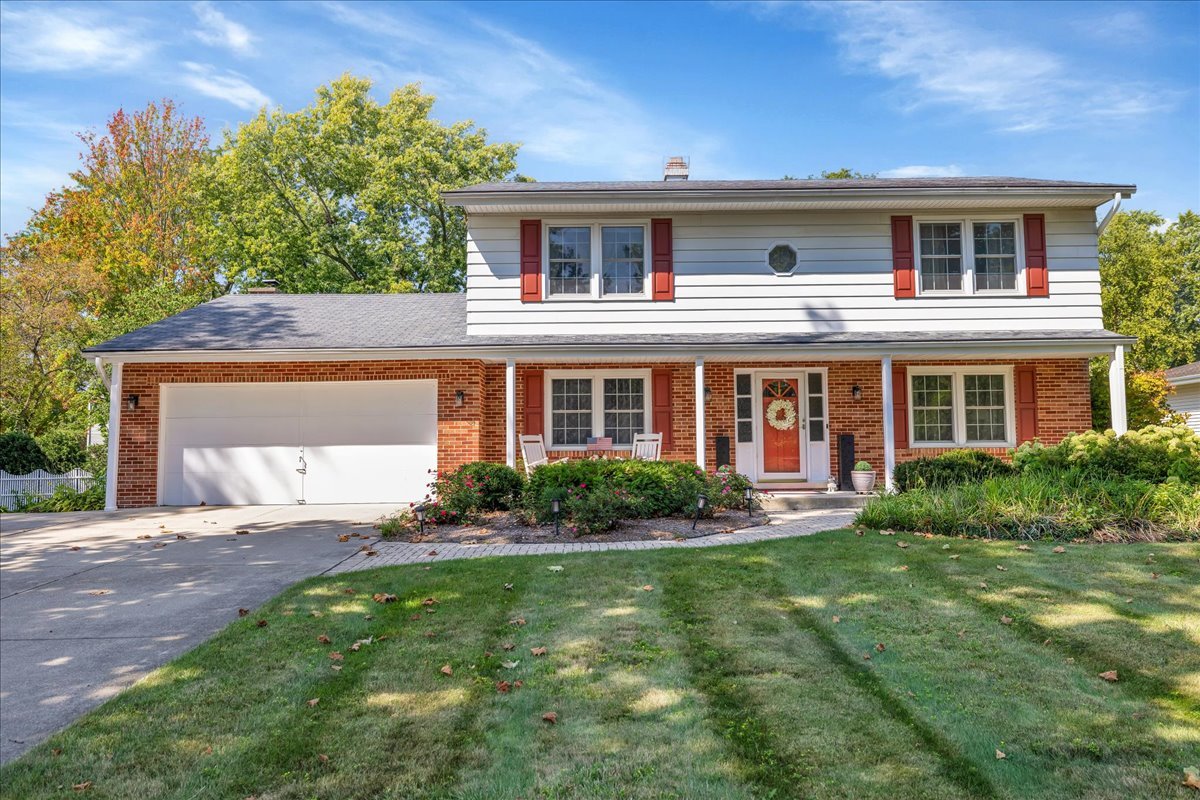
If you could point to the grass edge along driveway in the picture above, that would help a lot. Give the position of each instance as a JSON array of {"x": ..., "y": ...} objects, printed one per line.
[{"x": 827, "y": 666}]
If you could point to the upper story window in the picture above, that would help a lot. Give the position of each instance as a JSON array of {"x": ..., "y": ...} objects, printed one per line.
[
  {"x": 575, "y": 269},
  {"x": 782, "y": 259},
  {"x": 988, "y": 262}
]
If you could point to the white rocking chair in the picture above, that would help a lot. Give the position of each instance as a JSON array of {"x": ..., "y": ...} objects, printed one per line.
[
  {"x": 533, "y": 453},
  {"x": 647, "y": 447}
]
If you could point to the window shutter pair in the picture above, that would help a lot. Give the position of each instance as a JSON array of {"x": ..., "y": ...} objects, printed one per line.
[
  {"x": 662, "y": 260},
  {"x": 904, "y": 268},
  {"x": 1025, "y": 394},
  {"x": 534, "y": 414}
]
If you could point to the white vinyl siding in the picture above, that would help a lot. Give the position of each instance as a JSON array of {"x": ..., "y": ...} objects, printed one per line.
[
  {"x": 1186, "y": 400},
  {"x": 842, "y": 280}
]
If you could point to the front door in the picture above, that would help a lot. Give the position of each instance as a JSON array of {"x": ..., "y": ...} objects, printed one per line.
[{"x": 781, "y": 426}]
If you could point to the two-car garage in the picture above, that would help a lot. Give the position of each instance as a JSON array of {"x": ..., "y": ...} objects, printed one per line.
[{"x": 297, "y": 442}]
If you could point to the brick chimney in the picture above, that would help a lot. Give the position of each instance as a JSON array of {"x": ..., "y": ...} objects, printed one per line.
[
  {"x": 675, "y": 169},
  {"x": 267, "y": 287}
]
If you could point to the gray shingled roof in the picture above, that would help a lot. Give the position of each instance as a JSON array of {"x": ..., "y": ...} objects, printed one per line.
[
  {"x": 319, "y": 322},
  {"x": 822, "y": 185},
  {"x": 1185, "y": 371}
]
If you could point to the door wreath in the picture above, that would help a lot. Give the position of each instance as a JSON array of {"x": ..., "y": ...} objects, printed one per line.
[{"x": 781, "y": 414}]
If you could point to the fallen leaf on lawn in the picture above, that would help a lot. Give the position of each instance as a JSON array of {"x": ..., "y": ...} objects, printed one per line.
[
  {"x": 324, "y": 759},
  {"x": 508, "y": 646},
  {"x": 431, "y": 611},
  {"x": 859, "y": 532},
  {"x": 879, "y": 648},
  {"x": 1006, "y": 620},
  {"x": 518, "y": 684},
  {"x": 57, "y": 751},
  {"x": 904, "y": 567},
  {"x": 243, "y": 612},
  {"x": 537, "y": 651},
  {"x": 208, "y": 750},
  {"x": 508, "y": 587},
  {"x": 1191, "y": 777},
  {"x": 313, "y": 702},
  {"x": 954, "y": 557},
  {"x": 902, "y": 545},
  {"x": 647, "y": 588},
  {"x": 836, "y": 619},
  {"x": 1000, "y": 754},
  {"x": 414, "y": 618},
  {"x": 368, "y": 617},
  {"x": 1154, "y": 575},
  {"x": 550, "y": 717},
  {"x": 323, "y": 639},
  {"x": 428, "y": 601},
  {"x": 383, "y": 597},
  {"x": 887, "y": 532},
  {"x": 555, "y": 568},
  {"x": 1128, "y": 599},
  {"x": 336, "y": 667},
  {"x": 241, "y": 532},
  {"x": 945, "y": 547},
  {"x": 262, "y": 623},
  {"x": 349, "y": 591},
  {"x": 982, "y": 584},
  {"x": 962, "y": 633},
  {"x": 344, "y": 538},
  {"x": 447, "y": 670},
  {"x": 1002, "y": 568},
  {"x": 1059, "y": 549},
  {"x": 509, "y": 664},
  {"x": 1110, "y": 676},
  {"x": 358, "y": 645},
  {"x": 336, "y": 656},
  {"x": 503, "y": 686},
  {"x": 517, "y": 621},
  {"x": 486, "y": 653},
  {"x": 866, "y": 656},
  {"x": 1046, "y": 642},
  {"x": 1024, "y": 547},
  {"x": 82, "y": 787},
  {"x": 430, "y": 634},
  {"x": 315, "y": 613}
]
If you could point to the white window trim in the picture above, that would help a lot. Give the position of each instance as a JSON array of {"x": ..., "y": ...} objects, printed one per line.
[
  {"x": 596, "y": 261},
  {"x": 959, "y": 407},
  {"x": 597, "y": 377},
  {"x": 767, "y": 258},
  {"x": 968, "y": 255}
]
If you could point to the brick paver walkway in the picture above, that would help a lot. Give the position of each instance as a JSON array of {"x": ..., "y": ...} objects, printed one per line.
[{"x": 783, "y": 525}]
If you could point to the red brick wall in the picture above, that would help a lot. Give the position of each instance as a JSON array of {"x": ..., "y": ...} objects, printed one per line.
[{"x": 460, "y": 429}]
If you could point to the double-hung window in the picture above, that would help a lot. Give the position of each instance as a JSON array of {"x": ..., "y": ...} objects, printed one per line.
[
  {"x": 586, "y": 404},
  {"x": 577, "y": 269},
  {"x": 961, "y": 406},
  {"x": 971, "y": 256}
]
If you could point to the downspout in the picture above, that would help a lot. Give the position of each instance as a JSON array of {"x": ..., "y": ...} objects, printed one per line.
[
  {"x": 99, "y": 364},
  {"x": 1112, "y": 212}
]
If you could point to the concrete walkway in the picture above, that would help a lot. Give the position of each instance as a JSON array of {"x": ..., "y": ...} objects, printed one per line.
[{"x": 784, "y": 524}]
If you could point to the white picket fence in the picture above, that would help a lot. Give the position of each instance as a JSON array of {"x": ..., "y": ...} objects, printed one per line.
[{"x": 39, "y": 483}]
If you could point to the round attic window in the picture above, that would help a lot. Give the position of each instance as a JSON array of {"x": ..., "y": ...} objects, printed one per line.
[{"x": 782, "y": 259}]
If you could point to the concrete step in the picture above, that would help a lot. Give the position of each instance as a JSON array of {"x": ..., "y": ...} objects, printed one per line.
[{"x": 804, "y": 501}]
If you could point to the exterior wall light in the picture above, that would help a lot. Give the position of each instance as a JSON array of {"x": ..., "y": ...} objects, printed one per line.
[
  {"x": 856, "y": 392},
  {"x": 131, "y": 402},
  {"x": 460, "y": 398},
  {"x": 707, "y": 393}
]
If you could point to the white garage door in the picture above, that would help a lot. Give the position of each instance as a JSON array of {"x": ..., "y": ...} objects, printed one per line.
[{"x": 284, "y": 443}]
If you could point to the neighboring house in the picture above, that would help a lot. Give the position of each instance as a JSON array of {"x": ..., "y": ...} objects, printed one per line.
[
  {"x": 1186, "y": 398},
  {"x": 752, "y": 323}
]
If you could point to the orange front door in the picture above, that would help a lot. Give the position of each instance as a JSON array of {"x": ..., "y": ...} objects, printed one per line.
[{"x": 781, "y": 425}]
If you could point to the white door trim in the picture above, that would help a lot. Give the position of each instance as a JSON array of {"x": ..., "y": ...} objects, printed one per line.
[{"x": 760, "y": 423}]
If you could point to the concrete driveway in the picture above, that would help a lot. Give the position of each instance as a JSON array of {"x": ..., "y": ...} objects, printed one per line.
[{"x": 87, "y": 607}]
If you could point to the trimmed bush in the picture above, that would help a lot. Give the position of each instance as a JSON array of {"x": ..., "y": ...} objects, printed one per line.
[
  {"x": 1153, "y": 453},
  {"x": 461, "y": 495},
  {"x": 949, "y": 469},
  {"x": 20, "y": 454}
]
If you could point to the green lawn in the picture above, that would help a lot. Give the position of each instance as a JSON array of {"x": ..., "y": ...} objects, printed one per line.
[{"x": 729, "y": 678}]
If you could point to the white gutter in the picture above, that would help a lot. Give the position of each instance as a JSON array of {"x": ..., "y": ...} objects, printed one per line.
[{"x": 1112, "y": 211}]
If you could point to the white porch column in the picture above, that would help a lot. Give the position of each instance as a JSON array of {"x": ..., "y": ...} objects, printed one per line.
[
  {"x": 114, "y": 437},
  {"x": 700, "y": 437},
  {"x": 510, "y": 412},
  {"x": 889, "y": 427},
  {"x": 1116, "y": 389}
]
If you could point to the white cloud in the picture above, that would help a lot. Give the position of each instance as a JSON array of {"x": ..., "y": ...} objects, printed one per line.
[
  {"x": 523, "y": 91},
  {"x": 924, "y": 171},
  {"x": 218, "y": 30},
  {"x": 223, "y": 85},
  {"x": 940, "y": 59},
  {"x": 61, "y": 38}
]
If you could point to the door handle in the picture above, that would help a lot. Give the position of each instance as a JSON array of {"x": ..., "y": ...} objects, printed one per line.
[{"x": 303, "y": 468}]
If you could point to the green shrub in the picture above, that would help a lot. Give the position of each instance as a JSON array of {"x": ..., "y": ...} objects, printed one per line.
[
  {"x": 20, "y": 454},
  {"x": 64, "y": 450},
  {"x": 461, "y": 495},
  {"x": 1153, "y": 453},
  {"x": 727, "y": 489},
  {"x": 597, "y": 509},
  {"x": 1065, "y": 505},
  {"x": 65, "y": 499},
  {"x": 949, "y": 469}
]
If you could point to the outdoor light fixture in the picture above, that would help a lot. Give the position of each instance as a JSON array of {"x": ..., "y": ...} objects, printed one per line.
[
  {"x": 701, "y": 502},
  {"x": 460, "y": 397},
  {"x": 555, "y": 507},
  {"x": 419, "y": 511},
  {"x": 856, "y": 392},
  {"x": 707, "y": 393},
  {"x": 749, "y": 495},
  {"x": 131, "y": 402}
]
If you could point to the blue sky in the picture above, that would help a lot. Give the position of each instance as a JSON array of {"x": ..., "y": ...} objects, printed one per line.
[{"x": 1090, "y": 91}]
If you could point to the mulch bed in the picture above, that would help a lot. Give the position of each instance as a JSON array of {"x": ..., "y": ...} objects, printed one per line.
[{"x": 501, "y": 527}]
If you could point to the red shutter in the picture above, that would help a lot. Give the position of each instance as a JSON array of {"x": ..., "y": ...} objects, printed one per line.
[
  {"x": 904, "y": 274},
  {"x": 663, "y": 242},
  {"x": 900, "y": 406},
  {"x": 1037, "y": 275},
  {"x": 534, "y": 416},
  {"x": 531, "y": 260},
  {"x": 660, "y": 400},
  {"x": 1026, "y": 391}
]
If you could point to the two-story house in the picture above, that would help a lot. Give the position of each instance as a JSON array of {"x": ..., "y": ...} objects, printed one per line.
[{"x": 776, "y": 326}]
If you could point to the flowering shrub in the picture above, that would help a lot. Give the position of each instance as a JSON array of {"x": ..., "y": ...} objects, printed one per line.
[{"x": 1153, "y": 453}]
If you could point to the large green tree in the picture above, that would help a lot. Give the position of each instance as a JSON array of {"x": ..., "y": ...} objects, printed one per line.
[{"x": 344, "y": 195}]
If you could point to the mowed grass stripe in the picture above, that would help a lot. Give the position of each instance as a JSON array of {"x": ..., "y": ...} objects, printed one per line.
[{"x": 802, "y": 721}]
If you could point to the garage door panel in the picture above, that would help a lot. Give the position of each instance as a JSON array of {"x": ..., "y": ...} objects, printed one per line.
[
  {"x": 329, "y": 400},
  {"x": 234, "y": 476},
  {"x": 234, "y": 401},
  {"x": 366, "y": 473},
  {"x": 240, "y": 431},
  {"x": 403, "y": 430}
]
